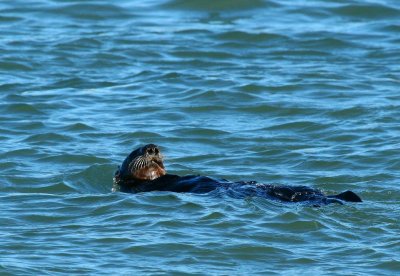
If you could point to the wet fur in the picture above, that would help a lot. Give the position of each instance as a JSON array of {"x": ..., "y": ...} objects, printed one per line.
[
  {"x": 143, "y": 172},
  {"x": 140, "y": 165}
]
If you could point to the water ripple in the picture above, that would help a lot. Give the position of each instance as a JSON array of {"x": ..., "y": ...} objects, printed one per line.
[
  {"x": 281, "y": 92},
  {"x": 223, "y": 5},
  {"x": 367, "y": 11}
]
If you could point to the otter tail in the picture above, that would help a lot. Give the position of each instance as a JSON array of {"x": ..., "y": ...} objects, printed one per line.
[{"x": 347, "y": 196}]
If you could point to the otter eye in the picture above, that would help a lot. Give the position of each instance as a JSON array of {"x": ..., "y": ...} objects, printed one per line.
[
  {"x": 156, "y": 151},
  {"x": 150, "y": 151}
]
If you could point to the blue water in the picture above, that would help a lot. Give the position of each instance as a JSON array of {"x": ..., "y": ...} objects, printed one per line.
[{"x": 285, "y": 92}]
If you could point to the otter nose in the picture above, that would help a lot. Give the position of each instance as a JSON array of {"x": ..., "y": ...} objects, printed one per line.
[{"x": 152, "y": 150}]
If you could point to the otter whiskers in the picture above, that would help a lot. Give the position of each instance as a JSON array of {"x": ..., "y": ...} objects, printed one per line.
[{"x": 140, "y": 162}]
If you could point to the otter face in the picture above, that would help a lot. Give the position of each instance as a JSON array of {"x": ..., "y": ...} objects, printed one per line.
[{"x": 146, "y": 163}]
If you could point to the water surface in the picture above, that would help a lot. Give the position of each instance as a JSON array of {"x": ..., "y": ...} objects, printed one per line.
[{"x": 291, "y": 92}]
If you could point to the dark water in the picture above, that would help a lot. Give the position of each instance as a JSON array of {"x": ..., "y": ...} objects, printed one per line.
[{"x": 291, "y": 92}]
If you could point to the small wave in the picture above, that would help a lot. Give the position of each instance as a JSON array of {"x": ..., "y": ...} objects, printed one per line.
[
  {"x": 78, "y": 127},
  {"x": 215, "y": 99},
  {"x": 343, "y": 138},
  {"x": 21, "y": 108},
  {"x": 8, "y": 19},
  {"x": 139, "y": 137},
  {"x": 198, "y": 131},
  {"x": 248, "y": 37},
  {"x": 220, "y": 5},
  {"x": 203, "y": 54},
  {"x": 367, "y": 11},
  {"x": 79, "y": 43},
  {"x": 306, "y": 126},
  {"x": 73, "y": 159},
  {"x": 352, "y": 112},
  {"x": 391, "y": 28},
  {"x": 78, "y": 82},
  {"x": 278, "y": 110},
  {"x": 35, "y": 185},
  {"x": 243, "y": 250},
  {"x": 94, "y": 179},
  {"x": 46, "y": 138},
  {"x": 322, "y": 164},
  {"x": 91, "y": 11},
  {"x": 330, "y": 43},
  {"x": 14, "y": 66},
  {"x": 301, "y": 53}
]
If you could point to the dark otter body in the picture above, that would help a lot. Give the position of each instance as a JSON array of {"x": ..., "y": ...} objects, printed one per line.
[{"x": 127, "y": 179}]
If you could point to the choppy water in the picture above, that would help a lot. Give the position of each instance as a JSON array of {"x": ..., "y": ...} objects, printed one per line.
[{"x": 291, "y": 92}]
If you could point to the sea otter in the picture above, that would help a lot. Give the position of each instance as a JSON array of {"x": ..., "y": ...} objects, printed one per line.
[{"x": 143, "y": 171}]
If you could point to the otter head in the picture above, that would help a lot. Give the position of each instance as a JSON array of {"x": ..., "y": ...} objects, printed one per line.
[{"x": 145, "y": 163}]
